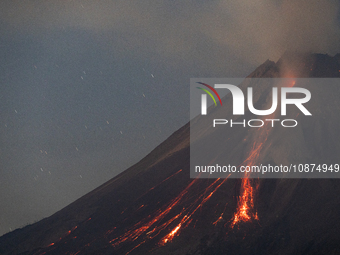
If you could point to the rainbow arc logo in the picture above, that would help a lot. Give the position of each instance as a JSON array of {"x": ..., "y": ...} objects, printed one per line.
[{"x": 204, "y": 97}]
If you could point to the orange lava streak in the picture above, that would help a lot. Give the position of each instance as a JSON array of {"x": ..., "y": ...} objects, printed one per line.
[
  {"x": 219, "y": 219},
  {"x": 142, "y": 227},
  {"x": 152, "y": 227},
  {"x": 186, "y": 219},
  {"x": 245, "y": 207},
  {"x": 171, "y": 235}
]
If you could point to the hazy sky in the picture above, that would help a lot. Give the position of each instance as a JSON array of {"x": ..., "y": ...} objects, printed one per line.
[{"x": 87, "y": 88}]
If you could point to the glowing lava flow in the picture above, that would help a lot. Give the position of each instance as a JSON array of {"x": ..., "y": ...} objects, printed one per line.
[
  {"x": 142, "y": 227},
  {"x": 187, "y": 218},
  {"x": 154, "y": 226},
  {"x": 245, "y": 207}
]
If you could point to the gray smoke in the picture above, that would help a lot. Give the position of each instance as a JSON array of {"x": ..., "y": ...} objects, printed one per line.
[{"x": 253, "y": 30}]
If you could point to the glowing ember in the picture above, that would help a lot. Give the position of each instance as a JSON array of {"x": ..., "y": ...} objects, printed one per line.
[
  {"x": 171, "y": 235},
  {"x": 292, "y": 84},
  {"x": 218, "y": 220}
]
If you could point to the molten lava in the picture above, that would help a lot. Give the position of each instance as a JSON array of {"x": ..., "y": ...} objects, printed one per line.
[
  {"x": 156, "y": 225},
  {"x": 245, "y": 207}
]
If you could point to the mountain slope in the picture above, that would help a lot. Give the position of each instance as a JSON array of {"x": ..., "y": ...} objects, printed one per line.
[{"x": 155, "y": 208}]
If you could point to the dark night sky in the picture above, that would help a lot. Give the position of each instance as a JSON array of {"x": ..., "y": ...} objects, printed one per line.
[{"x": 87, "y": 88}]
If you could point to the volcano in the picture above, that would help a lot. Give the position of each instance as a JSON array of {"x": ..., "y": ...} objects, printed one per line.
[{"x": 155, "y": 208}]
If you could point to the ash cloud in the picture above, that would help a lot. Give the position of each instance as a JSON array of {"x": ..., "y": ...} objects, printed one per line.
[
  {"x": 265, "y": 29},
  {"x": 250, "y": 30}
]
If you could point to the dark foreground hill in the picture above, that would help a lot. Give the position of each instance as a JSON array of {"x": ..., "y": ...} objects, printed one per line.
[{"x": 155, "y": 208}]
